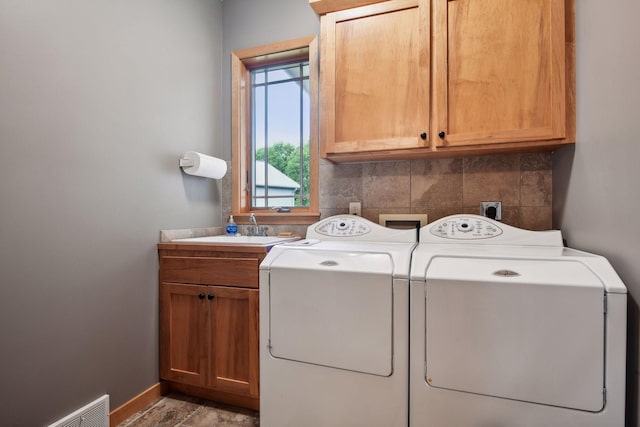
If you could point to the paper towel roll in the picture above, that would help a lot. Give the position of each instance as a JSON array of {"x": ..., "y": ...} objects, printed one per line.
[{"x": 199, "y": 164}]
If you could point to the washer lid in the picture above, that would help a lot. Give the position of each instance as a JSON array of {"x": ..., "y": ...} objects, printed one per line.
[
  {"x": 529, "y": 330},
  {"x": 556, "y": 272},
  {"x": 333, "y": 309}
]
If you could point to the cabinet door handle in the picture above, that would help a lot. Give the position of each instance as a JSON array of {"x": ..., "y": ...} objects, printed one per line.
[
  {"x": 201, "y": 296},
  {"x": 210, "y": 297},
  {"x": 423, "y": 136},
  {"x": 442, "y": 134}
]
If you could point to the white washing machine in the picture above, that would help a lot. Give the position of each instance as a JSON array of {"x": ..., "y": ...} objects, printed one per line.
[
  {"x": 334, "y": 314},
  {"x": 511, "y": 329}
]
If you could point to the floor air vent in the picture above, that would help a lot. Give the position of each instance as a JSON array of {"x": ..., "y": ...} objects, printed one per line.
[{"x": 95, "y": 414}]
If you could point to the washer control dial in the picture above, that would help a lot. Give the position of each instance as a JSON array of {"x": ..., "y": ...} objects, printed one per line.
[{"x": 465, "y": 228}]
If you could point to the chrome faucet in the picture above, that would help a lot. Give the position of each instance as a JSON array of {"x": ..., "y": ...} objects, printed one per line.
[
  {"x": 252, "y": 219},
  {"x": 255, "y": 229}
]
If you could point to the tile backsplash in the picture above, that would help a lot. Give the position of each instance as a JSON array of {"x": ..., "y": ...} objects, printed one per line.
[
  {"x": 441, "y": 187},
  {"x": 437, "y": 187}
]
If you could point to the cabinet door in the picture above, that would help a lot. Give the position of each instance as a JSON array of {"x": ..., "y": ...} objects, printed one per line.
[
  {"x": 183, "y": 333},
  {"x": 234, "y": 340},
  {"x": 375, "y": 77},
  {"x": 499, "y": 71}
]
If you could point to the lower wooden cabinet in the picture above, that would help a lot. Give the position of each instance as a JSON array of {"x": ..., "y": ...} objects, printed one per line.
[
  {"x": 209, "y": 337},
  {"x": 209, "y": 324}
]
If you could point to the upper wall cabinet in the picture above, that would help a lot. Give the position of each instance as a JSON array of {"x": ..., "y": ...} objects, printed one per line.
[
  {"x": 375, "y": 78},
  {"x": 418, "y": 78}
]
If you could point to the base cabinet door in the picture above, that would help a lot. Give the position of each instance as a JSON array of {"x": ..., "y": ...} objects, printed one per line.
[
  {"x": 209, "y": 337},
  {"x": 184, "y": 333},
  {"x": 234, "y": 340}
]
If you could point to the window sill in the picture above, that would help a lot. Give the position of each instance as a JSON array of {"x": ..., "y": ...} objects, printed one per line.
[{"x": 276, "y": 218}]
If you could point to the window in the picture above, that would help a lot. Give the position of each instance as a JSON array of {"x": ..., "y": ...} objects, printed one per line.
[
  {"x": 280, "y": 135},
  {"x": 274, "y": 132}
]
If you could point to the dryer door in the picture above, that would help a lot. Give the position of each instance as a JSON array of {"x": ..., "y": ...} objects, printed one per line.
[
  {"x": 530, "y": 330},
  {"x": 332, "y": 309}
]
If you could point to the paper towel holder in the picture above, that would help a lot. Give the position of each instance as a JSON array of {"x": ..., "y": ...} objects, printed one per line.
[
  {"x": 186, "y": 163},
  {"x": 198, "y": 164}
]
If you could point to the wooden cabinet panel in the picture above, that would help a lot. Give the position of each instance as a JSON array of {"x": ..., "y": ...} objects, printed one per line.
[
  {"x": 226, "y": 271},
  {"x": 375, "y": 77},
  {"x": 499, "y": 71},
  {"x": 325, "y": 6},
  {"x": 183, "y": 340},
  {"x": 234, "y": 340}
]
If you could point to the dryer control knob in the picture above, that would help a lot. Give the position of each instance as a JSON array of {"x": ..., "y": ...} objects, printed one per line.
[{"x": 465, "y": 227}]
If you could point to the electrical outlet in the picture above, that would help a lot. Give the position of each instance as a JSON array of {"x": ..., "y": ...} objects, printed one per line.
[
  {"x": 355, "y": 208},
  {"x": 488, "y": 208}
]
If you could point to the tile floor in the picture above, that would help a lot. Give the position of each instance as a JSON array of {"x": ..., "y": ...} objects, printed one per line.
[{"x": 176, "y": 410}]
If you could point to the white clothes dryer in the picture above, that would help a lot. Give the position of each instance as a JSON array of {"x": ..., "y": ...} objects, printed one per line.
[
  {"x": 334, "y": 312},
  {"x": 511, "y": 329}
]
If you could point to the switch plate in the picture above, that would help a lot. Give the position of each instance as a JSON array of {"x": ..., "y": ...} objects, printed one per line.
[
  {"x": 485, "y": 205},
  {"x": 355, "y": 208}
]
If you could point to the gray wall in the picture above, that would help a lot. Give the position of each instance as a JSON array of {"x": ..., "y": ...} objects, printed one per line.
[
  {"x": 596, "y": 197},
  {"x": 98, "y": 100}
]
